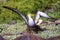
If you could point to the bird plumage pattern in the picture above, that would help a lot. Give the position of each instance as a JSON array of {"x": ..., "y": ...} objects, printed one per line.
[{"x": 30, "y": 22}]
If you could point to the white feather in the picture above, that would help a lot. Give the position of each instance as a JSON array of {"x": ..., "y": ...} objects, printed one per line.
[
  {"x": 30, "y": 20},
  {"x": 42, "y": 14},
  {"x": 38, "y": 18}
]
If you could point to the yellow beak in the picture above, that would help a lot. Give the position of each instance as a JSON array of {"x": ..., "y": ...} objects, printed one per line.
[{"x": 31, "y": 14}]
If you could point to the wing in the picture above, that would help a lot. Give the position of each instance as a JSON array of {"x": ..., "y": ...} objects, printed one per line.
[
  {"x": 43, "y": 14},
  {"x": 37, "y": 17},
  {"x": 38, "y": 14},
  {"x": 18, "y": 12}
]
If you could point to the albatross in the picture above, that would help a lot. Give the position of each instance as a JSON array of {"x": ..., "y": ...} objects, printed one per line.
[{"x": 31, "y": 24}]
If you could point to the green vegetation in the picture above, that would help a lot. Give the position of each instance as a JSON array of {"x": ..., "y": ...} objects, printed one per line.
[
  {"x": 52, "y": 7},
  {"x": 16, "y": 29}
]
